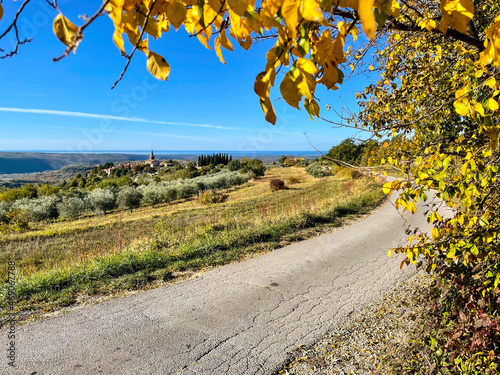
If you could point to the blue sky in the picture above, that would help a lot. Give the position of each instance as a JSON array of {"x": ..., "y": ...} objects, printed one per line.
[{"x": 205, "y": 105}]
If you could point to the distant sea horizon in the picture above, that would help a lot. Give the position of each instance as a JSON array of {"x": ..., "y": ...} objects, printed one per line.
[{"x": 178, "y": 152}]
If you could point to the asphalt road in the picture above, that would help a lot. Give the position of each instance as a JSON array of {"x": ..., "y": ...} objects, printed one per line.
[{"x": 238, "y": 319}]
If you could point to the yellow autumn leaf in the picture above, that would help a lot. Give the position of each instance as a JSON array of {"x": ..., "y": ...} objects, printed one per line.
[
  {"x": 290, "y": 91},
  {"x": 310, "y": 10},
  {"x": 412, "y": 207},
  {"x": 117, "y": 38},
  {"x": 427, "y": 24},
  {"x": 324, "y": 47},
  {"x": 158, "y": 66},
  {"x": 151, "y": 27},
  {"x": 65, "y": 31},
  {"x": 461, "y": 108},
  {"x": 224, "y": 41},
  {"x": 306, "y": 66},
  {"x": 479, "y": 108},
  {"x": 289, "y": 10},
  {"x": 491, "y": 82},
  {"x": 268, "y": 109},
  {"x": 218, "y": 50},
  {"x": 492, "y": 105},
  {"x": 303, "y": 87},
  {"x": 464, "y": 168},
  {"x": 312, "y": 107},
  {"x": 176, "y": 13},
  {"x": 238, "y": 6},
  {"x": 387, "y": 188},
  {"x": 330, "y": 75},
  {"x": 263, "y": 83},
  {"x": 393, "y": 8},
  {"x": 491, "y": 54},
  {"x": 456, "y": 14},
  {"x": 367, "y": 17},
  {"x": 338, "y": 44},
  {"x": 267, "y": 20}
]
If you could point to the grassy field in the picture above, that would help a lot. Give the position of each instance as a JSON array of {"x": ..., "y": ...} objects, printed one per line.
[{"x": 67, "y": 261}]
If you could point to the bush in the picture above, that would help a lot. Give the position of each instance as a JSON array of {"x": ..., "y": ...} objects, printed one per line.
[
  {"x": 185, "y": 191},
  {"x": 276, "y": 184},
  {"x": 43, "y": 208},
  {"x": 356, "y": 174},
  {"x": 293, "y": 180},
  {"x": 129, "y": 198},
  {"x": 168, "y": 194},
  {"x": 101, "y": 200},
  {"x": 72, "y": 207},
  {"x": 152, "y": 193},
  {"x": 11, "y": 195},
  {"x": 4, "y": 210},
  {"x": 317, "y": 171},
  {"x": 211, "y": 196},
  {"x": 234, "y": 165},
  {"x": 254, "y": 167}
]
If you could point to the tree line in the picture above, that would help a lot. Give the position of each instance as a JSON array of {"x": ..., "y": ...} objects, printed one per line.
[{"x": 214, "y": 159}]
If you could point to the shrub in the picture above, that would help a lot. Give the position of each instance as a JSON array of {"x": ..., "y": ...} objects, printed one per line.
[
  {"x": 72, "y": 207},
  {"x": 168, "y": 194},
  {"x": 276, "y": 184},
  {"x": 151, "y": 194},
  {"x": 211, "y": 196},
  {"x": 316, "y": 170},
  {"x": 234, "y": 165},
  {"x": 129, "y": 198},
  {"x": 101, "y": 200},
  {"x": 185, "y": 191},
  {"x": 356, "y": 174},
  {"x": 255, "y": 167},
  {"x": 293, "y": 180},
  {"x": 11, "y": 195},
  {"x": 47, "y": 189},
  {"x": 38, "y": 209},
  {"x": 4, "y": 211}
]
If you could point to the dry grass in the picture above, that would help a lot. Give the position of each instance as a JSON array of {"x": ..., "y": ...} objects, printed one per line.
[{"x": 126, "y": 250}]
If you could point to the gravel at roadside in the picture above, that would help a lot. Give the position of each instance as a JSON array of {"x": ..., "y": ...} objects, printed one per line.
[{"x": 369, "y": 340}]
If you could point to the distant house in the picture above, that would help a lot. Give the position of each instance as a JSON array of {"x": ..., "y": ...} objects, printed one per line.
[
  {"x": 152, "y": 162},
  {"x": 292, "y": 161}
]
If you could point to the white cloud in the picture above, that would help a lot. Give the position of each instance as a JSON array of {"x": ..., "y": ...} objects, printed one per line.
[{"x": 106, "y": 117}]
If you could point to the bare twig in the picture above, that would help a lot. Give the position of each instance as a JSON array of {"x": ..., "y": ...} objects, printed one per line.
[
  {"x": 341, "y": 162},
  {"x": 13, "y": 25},
  {"x": 344, "y": 125}
]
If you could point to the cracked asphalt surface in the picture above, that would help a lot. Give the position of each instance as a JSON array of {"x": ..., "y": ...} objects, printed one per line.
[{"x": 242, "y": 318}]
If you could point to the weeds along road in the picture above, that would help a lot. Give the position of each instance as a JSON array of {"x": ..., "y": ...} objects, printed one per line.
[{"x": 239, "y": 319}]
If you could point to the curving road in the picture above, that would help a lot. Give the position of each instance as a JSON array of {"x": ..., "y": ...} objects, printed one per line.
[{"x": 239, "y": 319}]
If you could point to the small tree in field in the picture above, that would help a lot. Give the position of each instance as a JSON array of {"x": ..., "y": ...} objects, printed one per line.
[
  {"x": 129, "y": 198},
  {"x": 101, "y": 200}
]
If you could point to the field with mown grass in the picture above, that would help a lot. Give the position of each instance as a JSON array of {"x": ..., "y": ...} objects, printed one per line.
[{"x": 63, "y": 262}]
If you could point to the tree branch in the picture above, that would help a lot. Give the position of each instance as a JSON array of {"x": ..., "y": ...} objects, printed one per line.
[
  {"x": 139, "y": 40},
  {"x": 14, "y": 25}
]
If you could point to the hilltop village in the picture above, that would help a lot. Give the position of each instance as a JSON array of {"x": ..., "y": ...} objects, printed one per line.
[{"x": 152, "y": 162}]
